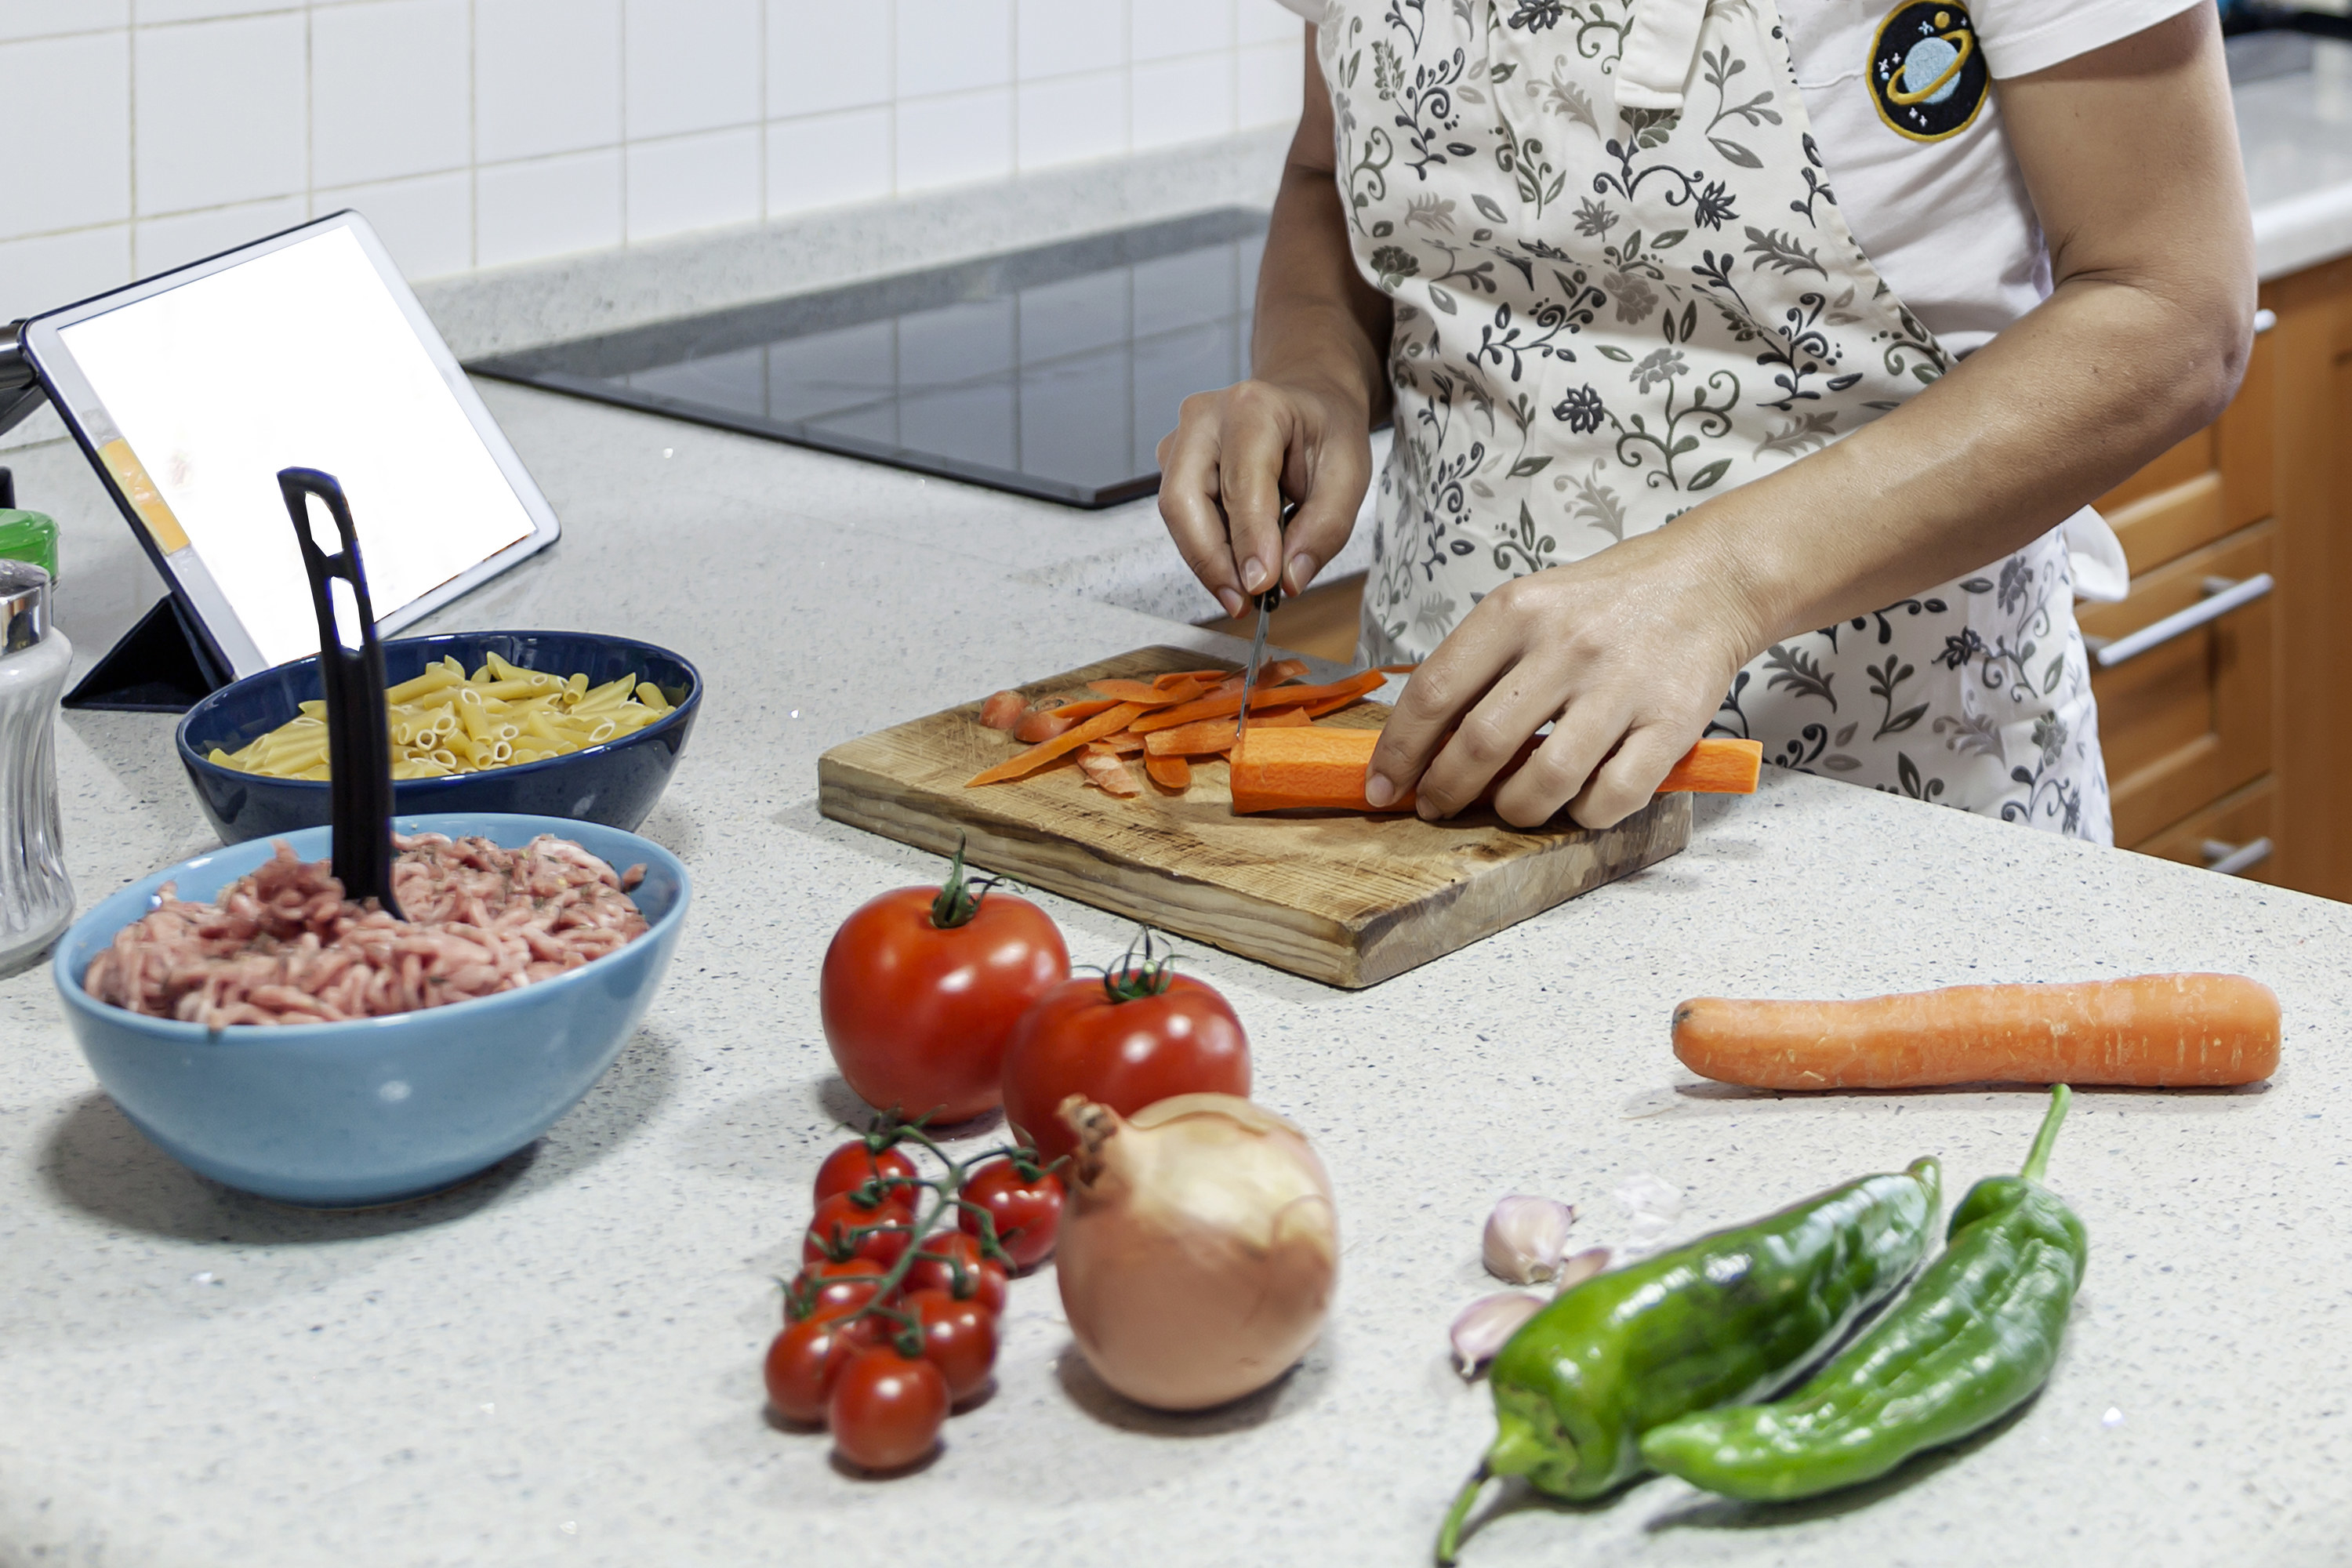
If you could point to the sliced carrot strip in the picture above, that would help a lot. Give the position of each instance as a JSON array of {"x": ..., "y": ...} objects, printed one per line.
[
  {"x": 1332, "y": 704},
  {"x": 1208, "y": 735},
  {"x": 1205, "y": 676},
  {"x": 1169, "y": 773},
  {"x": 1126, "y": 743},
  {"x": 1111, "y": 774},
  {"x": 1043, "y": 722},
  {"x": 1280, "y": 697},
  {"x": 1146, "y": 693},
  {"x": 1397, "y": 668},
  {"x": 1110, "y": 721},
  {"x": 1280, "y": 672}
]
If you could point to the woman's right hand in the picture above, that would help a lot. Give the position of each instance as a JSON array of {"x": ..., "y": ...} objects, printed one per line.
[{"x": 1233, "y": 457}]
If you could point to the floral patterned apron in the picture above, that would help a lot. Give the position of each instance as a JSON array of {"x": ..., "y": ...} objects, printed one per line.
[{"x": 1622, "y": 283}]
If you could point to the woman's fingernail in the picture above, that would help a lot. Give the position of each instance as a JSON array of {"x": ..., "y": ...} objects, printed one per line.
[
  {"x": 1426, "y": 808},
  {"x": 1231, "y": 602},
  {"x": 1302, "y": 571},
  {"x": 1255, "y": 576},
  {"x": 1377, "y": 790}
]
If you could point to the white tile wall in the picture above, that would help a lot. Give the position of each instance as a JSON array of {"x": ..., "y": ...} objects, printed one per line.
[{"x": 479, "y": 133}]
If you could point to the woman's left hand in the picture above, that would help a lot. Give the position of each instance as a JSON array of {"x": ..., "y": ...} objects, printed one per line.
[{"x": 1626, "y": 654}]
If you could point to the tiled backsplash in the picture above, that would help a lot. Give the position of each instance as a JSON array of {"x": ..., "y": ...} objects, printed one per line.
[{"x": 476, "y": 134}]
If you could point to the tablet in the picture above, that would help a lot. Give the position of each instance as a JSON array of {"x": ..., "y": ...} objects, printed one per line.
[{"x": 189, "y": 390}]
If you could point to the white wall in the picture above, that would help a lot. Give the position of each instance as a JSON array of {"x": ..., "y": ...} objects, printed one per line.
[{"x": 476, "y": 134}]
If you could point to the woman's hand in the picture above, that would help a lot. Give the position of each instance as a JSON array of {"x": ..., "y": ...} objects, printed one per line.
[
  {"x": 1626, "y": 654},
  {"x": 1234, "y": 455}
]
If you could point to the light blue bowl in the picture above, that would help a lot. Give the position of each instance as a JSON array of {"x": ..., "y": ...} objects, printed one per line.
[{"x": 339, "y": 1115}]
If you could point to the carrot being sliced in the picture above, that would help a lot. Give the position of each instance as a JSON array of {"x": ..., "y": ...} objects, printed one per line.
[
  {"x": 1109, "y": 721},
  {"x": 1280, "y": 697},
  {"x": 1320, "y": 768},
  {"x": 1169, "y": 772},
  {"x": 2154, "y": 1030},
  {"x": 1208, "y": 735},
  {"x": 1717, "y": 767}
]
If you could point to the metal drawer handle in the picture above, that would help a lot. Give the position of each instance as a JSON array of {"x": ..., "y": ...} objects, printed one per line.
[
  {"x": 2265, "y": 320},
  {"x": 2234, "y": 859},
  {"x": 2222, "y": 595}
]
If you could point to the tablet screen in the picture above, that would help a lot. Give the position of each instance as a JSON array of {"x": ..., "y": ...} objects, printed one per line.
[{"x": 298, "y": 357}]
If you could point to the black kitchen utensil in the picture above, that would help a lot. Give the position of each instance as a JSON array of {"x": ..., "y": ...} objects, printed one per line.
[{"x": 359, "y": 745}]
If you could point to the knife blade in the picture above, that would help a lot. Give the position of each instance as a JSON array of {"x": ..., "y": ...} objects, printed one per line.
[{"x": 1265, "y": 604}]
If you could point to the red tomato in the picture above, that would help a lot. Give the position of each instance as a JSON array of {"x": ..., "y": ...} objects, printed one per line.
[
  {"x": 831, "y": 1289},
  {"x": 1028, "y": 1215},
  {"x": 918, "y": 1005},
  {"x": 834, "y": 1232},
  {"x": 886, "y": 1410},
  {"x": 854, "y": 1165},
  {"x": 804, "y": 1359},
  {"x": 951, "y": 1261},
  {"x": 1080, "y": 1038},
  {"x": 958, "y": 1338}
]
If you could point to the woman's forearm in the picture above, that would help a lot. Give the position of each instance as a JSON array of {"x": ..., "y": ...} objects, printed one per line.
[
  {"x": 2141, "y": 343},
  {"x": 1318, "y": 322}
]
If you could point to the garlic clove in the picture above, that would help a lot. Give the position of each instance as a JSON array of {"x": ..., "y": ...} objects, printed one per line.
[
  {"x": 1526, "y": 1237},
  {"x": 1485, "y": 1325},
  {"x": 1593, "y": 1260},
  {"x": 1653, "y": 1205}
]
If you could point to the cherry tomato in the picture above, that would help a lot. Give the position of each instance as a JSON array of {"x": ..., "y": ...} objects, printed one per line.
[
  {"x": 886, "y": 1410},
  {"x": 832, "y": 1233},
  {"x": 921, "y": 987},
  {"x": 854, "y": 1165},
  {"x": 951, "y": 1261},
  {"x": 1133, "y": 1038},
  {"x": 958, "y": 1338},
  {"x": 1028, "y": 1215},
  {"x": 831, "y": 1289},
  {"x": 804, "y": 1359}
]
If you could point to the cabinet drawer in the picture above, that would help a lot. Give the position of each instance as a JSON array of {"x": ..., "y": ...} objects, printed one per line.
[
  {"x": 2237, "y": 822},
  {"x": 2188, "y": 720}
]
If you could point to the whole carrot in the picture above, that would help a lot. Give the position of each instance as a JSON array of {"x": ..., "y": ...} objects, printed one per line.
[{"x": 2152, "y": 1030}]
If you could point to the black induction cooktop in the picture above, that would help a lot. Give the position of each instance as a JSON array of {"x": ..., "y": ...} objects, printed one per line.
[{"x": 1051, "y": 372}]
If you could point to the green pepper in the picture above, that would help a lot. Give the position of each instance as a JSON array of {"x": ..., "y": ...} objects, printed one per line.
[
  {"x": 1727, "y": 1317},
  {"x": 1973, "y": 1339}
]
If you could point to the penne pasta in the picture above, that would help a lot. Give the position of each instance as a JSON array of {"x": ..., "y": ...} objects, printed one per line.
[{"x": 444, "y": 721}]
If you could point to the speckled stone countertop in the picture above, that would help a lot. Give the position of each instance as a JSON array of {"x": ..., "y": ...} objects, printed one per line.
[{"x": 559, "y": 1362}]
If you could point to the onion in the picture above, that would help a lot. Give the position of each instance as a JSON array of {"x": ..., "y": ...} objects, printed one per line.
[{"x": 1199, "y": 1248}]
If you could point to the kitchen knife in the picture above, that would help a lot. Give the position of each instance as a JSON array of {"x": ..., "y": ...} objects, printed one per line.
[{"x": 1265, "y": 604}]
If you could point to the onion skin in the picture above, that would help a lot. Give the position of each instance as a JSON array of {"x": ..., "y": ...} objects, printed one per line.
[{"x": 1199, "y": 1250}]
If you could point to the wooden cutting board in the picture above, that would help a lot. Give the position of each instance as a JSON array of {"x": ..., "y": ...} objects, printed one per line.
[{"x": 1336, "y": 897}]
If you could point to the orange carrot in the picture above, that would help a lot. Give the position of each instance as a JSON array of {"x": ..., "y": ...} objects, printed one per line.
[
  {"x": 1004, "y": 710},
  {"x": 1109, "y": 772},
  {"x": 1283, "y": 769},
  {"x": 1207, "y": 735},
  {"x": 1126, "y": 743},
  {"x": 1173, "y": 774},
  {"x": 1205, "y": 676},
  {"x": 1109, "y": 721},
  {"x": 2158, "y": 1031},
  {"x": 1717, "y": 767},
  {"x": 1328, "y": 771},
  {"x": 1049, "y": 719},
  {"x": 1225, "y": 706},
  {"x": 1148, "y": 694},
  {"x": 1280, "y": 672}
]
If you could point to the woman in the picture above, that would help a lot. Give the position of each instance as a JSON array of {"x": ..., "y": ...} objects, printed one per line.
[{"x": 1867, "y": 299}]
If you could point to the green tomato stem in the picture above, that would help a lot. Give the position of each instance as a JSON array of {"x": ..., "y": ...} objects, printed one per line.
[{"x": 1449, "y": 1535}]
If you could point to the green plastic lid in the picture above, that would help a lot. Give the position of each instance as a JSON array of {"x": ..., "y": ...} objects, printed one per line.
[{"x": 29, "y": 536}]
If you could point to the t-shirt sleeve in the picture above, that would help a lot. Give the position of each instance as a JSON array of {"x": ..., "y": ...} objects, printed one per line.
[
  {"x": 2022, "y": 36},
  {"x": 1310, "y": 9}
]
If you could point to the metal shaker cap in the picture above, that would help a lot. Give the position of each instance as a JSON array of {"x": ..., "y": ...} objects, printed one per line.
[{"x": 24, "y": 606}]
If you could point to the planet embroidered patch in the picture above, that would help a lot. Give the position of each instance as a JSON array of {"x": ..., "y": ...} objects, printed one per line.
[{"x": 1926, "y": 74}]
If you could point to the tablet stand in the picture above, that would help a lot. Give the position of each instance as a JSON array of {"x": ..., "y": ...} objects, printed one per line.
[{"x": 160, "y": 666}]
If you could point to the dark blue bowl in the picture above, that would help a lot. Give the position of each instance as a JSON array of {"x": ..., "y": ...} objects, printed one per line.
[{"x": 615, "y": 784}]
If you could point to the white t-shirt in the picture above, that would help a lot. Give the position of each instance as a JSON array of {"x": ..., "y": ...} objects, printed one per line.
[{"x": 1947, "y": 222}]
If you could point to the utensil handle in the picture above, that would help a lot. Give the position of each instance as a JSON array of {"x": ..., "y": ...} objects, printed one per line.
[{"x": 359, "y": 746}]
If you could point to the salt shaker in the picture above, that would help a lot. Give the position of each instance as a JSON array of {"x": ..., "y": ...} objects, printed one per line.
[{"x": 36, "y": 897}]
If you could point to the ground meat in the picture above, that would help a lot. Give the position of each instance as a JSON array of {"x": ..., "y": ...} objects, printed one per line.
[{"x": 282, "y": 945}]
